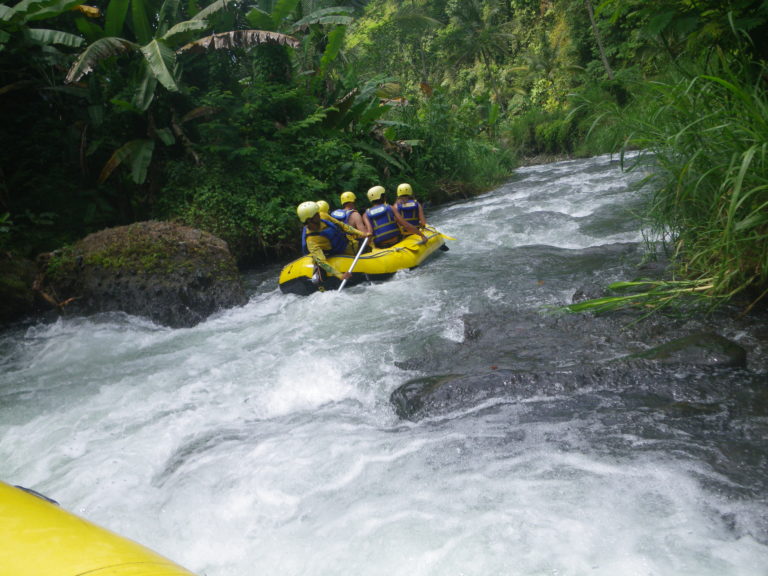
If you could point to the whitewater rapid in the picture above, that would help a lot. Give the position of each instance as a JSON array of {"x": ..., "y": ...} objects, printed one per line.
[{"x": 262, "y": 441}]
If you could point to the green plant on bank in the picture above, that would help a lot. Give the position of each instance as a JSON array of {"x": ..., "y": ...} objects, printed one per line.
[
  {"x": 447, "y": 154},
  {"x": 708, "y": 138},
  {"x": 650, "y": 296},
  {"x": 714, "y": 162}
]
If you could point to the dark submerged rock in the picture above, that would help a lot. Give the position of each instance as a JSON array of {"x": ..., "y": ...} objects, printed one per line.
[
  {"x": 525, "y": 356},
  {"x": 702, "y": 349},
  {"x": 440, "y": 395},
  {"x": 172, "y": 274}
]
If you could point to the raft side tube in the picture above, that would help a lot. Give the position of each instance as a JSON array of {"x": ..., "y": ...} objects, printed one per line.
[{"x": 40, "y": 538}]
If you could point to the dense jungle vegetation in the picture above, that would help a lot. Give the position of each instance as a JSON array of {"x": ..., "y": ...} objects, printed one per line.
[{"x": 225, "y": 114}]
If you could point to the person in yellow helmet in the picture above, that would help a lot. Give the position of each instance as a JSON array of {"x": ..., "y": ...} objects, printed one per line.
[
  {"x": 323, "y": 236},
  {"x": 386, "y": 224},
  {"x": 325, "y": 208},
  {"x": 348, "y": 212},
  {"x": 408, "y": 207}
]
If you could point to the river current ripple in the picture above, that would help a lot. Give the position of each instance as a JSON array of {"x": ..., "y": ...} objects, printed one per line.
[{"x": 263, "y": 441}]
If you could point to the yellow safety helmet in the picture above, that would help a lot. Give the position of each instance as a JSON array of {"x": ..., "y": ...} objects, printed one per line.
[
  {"x": 323, "y": 206},
  {"x": 376, "y": 193},
  {"x": 347, "y": 197},
  {"x": 404, "y": 190},
  {"x": 306, "y": 210}
]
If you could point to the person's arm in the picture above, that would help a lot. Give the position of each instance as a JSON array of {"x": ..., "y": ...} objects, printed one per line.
[
  {"x": 369, "y": 226},
  {"x": 318, "y": 257},
  {"x": 351, "y": 230},
  {"x": 422, "y": 220},
  {"x": 407, "y": 226}
]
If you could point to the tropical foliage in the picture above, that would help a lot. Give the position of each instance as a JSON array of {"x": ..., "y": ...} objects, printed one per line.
[
  {"x": 224, "y": 114},
  {"x": 705, "y": 121}
]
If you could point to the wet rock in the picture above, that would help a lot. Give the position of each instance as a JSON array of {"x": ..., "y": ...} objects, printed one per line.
[
  {"x": 654, "y": 269},
  {"x": 588, "y": 292},
  {"x": 701, "y": 349},
  {"x": 438, "y": 395},
  {"x": 564, "y": 394},
  {"x": 530, "y": 358},
  {"x": 172, "y": 274}
]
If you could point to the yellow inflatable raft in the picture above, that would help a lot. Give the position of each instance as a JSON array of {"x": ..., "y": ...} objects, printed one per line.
[
  {"x": 38, "y": 538},
  {"x": 378, "y": 264}
]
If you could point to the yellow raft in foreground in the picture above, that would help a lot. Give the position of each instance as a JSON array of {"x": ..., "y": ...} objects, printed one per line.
[
  {"x": 38, "y": 538},
  {"x": 379, "y": 264}
]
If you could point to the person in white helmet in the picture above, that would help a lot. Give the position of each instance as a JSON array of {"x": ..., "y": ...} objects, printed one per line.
[{"x": 323, "y": 235}]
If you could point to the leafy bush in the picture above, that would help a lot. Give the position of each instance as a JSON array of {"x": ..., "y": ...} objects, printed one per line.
[{"x": 450, "y": 155}]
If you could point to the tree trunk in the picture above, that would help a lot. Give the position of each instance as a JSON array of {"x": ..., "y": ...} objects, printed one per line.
[{"x": 596, "y": 32}]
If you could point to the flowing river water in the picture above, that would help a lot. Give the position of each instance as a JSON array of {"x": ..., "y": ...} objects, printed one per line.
[{"x": 264, "y": 441}]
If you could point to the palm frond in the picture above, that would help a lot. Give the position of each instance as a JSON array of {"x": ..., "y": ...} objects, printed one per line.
[
  {"x": 184, "y": 28},
  {"x": 45, "y": 9},
  {"x": 138, "y": 153},
  {"x": 47, "y": 37},
  {"x": 100, "y": 50},
  {"x": 117, "y": 10},
  {"x": 339, "y": 16},
  {"x": 212, "y": 8},
  {"x": 239, "y": 39},
  {"x": 162, "y": 60}
]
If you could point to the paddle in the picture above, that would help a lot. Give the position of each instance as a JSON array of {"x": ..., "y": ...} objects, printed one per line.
[
  {"x": 362, "y": 247},
  {"x": 436, "y": 231}
]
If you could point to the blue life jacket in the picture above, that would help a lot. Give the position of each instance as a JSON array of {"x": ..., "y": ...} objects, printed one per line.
[
  {"x": 409, "y": 210},
  {"x": 342, "y": 214},
  {"x": 335, "y": 235},
  {"x": 385, "y": 229}
]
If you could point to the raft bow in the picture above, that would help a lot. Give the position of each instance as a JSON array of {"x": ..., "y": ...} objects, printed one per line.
[{"x": 40, "y": 538}]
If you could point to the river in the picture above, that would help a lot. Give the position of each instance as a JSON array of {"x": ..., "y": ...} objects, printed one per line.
[{"x": 263, "y": 441}]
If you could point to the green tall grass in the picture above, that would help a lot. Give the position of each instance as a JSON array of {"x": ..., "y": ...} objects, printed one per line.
[{"x": 708, "y": 134}]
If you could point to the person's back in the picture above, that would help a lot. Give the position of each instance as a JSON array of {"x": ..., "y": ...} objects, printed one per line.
[
  {"x": 324, "y": 209},
  {"x": 349, "y": 214},
  {"x": 408, "y": 207},
  {"x": 382, "y": 219}
]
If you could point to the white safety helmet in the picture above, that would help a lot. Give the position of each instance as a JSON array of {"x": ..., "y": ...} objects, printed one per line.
[
  {"x": 306, "y": 210},
  {"x": 376, "y": 193}
]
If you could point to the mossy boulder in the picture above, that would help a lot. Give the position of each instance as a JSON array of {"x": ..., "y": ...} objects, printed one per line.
[{"x": 172, "y": 274}]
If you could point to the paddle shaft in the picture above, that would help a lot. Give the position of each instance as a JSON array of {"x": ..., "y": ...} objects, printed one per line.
[{"x": 362, "y": 247}]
